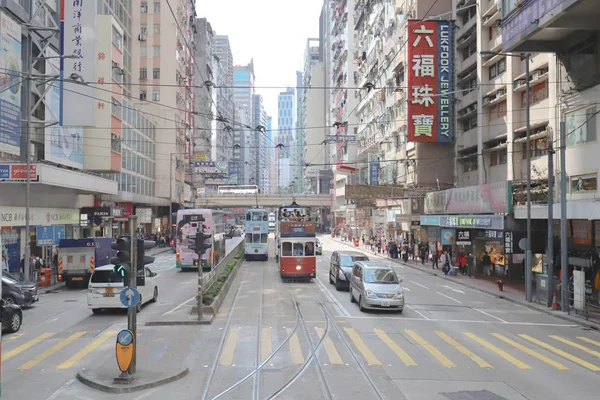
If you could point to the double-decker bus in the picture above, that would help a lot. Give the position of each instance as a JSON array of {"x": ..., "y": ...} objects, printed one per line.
[
  {"x": 237, "y": 189},
  {"x": 295, "y": 237},
  {"x": 188, "y": 222},
  {"x": 256, "y": 227}
]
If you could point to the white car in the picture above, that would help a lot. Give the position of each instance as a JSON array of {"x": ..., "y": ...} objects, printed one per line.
[{"x": 105, "y": 287}]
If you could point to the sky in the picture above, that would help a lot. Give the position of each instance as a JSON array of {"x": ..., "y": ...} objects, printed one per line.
[{"x": 273, "y": 32}]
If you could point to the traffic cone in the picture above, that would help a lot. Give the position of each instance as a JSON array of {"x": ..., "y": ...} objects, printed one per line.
[{"x": 555, "y": 305}]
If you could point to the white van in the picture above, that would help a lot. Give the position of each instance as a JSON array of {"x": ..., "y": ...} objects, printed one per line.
[{"x": 105, "y": 286}]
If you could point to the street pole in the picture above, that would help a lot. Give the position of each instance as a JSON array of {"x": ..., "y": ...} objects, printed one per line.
[
  {"x": 132, "y": 311},
  {"x": 563, "y": 219},
  {"x": 27, "y": 90},
  {"x": 170, "y": 197},
  {"x": 528, "y": 272},
  {"x": 200, "y": 296},
  {"x": 550, "y": 249}
]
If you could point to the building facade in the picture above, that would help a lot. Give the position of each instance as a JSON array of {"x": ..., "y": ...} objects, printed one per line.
[
  {"x": 286, "y": 127},
  {"x": 243, "y": 94},
  {"x": 261, "y": 145}
]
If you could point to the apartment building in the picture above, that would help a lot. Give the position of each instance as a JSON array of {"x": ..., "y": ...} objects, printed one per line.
[
  {"x": 261, "y": 145},
  {"x": 286, "y": 127},
  {"x": 273, "y": 156},
  {"x": 299, "y": 134},
  {"x": 243, "y": 92}
]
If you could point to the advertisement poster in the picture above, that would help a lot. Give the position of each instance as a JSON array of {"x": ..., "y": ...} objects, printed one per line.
[
  {"x": 448, "y": 237},
  {"x": 10, "y": 85},
  {"x": 430, "y": 80},
  {"x": 11, "y": 247}
]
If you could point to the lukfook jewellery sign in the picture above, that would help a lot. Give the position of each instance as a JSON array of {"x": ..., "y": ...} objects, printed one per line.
[{"x": 15, "y": 216}]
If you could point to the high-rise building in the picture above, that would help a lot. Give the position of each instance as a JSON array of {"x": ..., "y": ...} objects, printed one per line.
[
  {"x": 261, "y": 146},
  {"x": 243, "y": 92},
  {"x": 223, "y": 64},
  {"x": 273, "y": 153},
  {"x": 286, "y": 126},
  {"x": 298, "y": 139}
]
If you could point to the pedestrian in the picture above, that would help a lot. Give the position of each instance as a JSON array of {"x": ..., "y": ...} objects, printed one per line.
[
  {"x": 445, "y": 263},
  {"x": 423, "y": 254},
  {"x": 434, "y": 259},
  {"x": 486, "y": 261}
]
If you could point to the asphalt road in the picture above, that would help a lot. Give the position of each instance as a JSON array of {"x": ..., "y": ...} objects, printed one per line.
[{"x": 450, "y": 342}]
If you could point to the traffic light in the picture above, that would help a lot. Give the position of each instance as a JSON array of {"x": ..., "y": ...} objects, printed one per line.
[
  {"x": 143, "y": 259},
  {"x": 197, "y": 242},
  {"x": 122, "y": 260}
]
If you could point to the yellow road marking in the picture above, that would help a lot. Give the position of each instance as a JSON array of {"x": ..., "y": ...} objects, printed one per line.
[
  {"x": 500, "y": 352},
  {"x": 590, "y": 341},
  {"x": 532, "y": 353},
  {"x": 265, "y": 344},
  {"x": 406, "y": 359},
  {"x": 87, "y": 349},
  {"x": 332, "y": 353},
  {"x": 561, "y": 353},
  {"x": 295, "y": 349},
  {"x": 432, "y": 350},
  {"x": 229, "y": 348},
  {"x": 25, "y": 346},
  {"x": 13, "y": 336},
  {"x": 362, "y": 347},
  {"x": 576, "y": 345},
  {"x": 478, "y": 360},
  {"x": 42, "y": 356}
]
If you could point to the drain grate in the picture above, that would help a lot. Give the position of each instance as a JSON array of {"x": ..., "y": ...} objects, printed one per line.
[{"x": 473, "y": 395}]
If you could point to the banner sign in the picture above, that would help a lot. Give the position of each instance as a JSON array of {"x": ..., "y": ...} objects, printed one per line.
[
  {"x": 373, "y": 192},
  {"x": 430, "y": 79},
  {"x": 374, "y": 172},
  {"x": 17, "y": 172},
  {"x": 10, "y": 85},
  {"x": 485, "y": 199},
  {"x": 210, "y": 167}
]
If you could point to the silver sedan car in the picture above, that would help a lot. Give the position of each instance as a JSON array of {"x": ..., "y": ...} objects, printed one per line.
[{"x": 376, "y": 287}]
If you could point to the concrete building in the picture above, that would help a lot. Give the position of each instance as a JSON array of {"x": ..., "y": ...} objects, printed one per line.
[
  {"x": 273, "y": 154},
  {"x": 243, "y": 92},
  {"x": 225, "y": 104},
  {"x": 261, "y": 145},
  {"x": 299, "y": 134},
  {"x": 286, "y": 127}
]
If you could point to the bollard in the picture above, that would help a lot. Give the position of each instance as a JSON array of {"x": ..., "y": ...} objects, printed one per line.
[{"x": 500, "y": 284}]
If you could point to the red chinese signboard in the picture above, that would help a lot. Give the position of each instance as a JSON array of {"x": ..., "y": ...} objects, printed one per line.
[
  {"x": 19, "y": 171},
  {"x": 430, "y": 81}
]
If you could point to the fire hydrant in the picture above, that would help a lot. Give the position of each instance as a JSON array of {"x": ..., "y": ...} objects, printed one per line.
[{"x": 500, "y": 284}]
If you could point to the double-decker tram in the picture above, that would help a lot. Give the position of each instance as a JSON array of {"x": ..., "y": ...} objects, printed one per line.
[
  {"x": 207, "y": 221},
  {"x": 256, "y": 227},
  {"x": 295, "y": 242}
]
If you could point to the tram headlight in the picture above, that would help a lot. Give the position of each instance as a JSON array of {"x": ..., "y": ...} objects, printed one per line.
[{"x": 298, "y": 267}]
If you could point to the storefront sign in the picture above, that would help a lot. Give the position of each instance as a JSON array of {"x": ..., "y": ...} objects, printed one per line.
[
  {"x": 481, "y": 199},
  {"x": 17, "y": 172},
  {"x": 491, "y": 235},
  {"x": 15, "y": 216},
  {"x": 432, "y": 220},
  {"x": 96, "y": 212},
  {"x": 463, "y": 238},
  {"x": 373, "y": 192},
  {"x": 473, "y": 221},
  {"x": 448, "y": 237},
  {"x": 508, "y": 242}
]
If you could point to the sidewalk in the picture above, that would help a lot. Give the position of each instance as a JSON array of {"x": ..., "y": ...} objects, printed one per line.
[{"x": 512, "y": 292}]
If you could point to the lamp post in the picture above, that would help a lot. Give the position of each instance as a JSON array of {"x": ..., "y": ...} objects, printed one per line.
[
  {"x": 171, "y": 194},
  {"x": 528, "y": 272}
]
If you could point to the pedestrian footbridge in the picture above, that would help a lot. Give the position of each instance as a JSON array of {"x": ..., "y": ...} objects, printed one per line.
[{"x": 214, "y": 200}]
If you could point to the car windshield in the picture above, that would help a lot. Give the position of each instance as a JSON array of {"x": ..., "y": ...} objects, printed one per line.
[
  {"x": 380, "y": 275},
  {"x": 106, "y": 276},
  {"x": 12, "y": 276},
  {"x": 348, "y": 261}
]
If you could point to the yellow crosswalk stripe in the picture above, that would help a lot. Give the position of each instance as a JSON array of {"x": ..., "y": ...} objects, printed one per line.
[
  {"x": 229, "y": 347},
  {"x": 362, "y": 347},
  {"x": 445, "y": 361},
  {"x": 478, "y": 360},
  {"x": 332, "y": 353},
  {"x": 406, "y": 359},
  {"x": 295, "y": 349},
  {"x": 561, "y": 353},
  {"x": 500, "y": 352},
  {"x": 87, "y": 349},
  {"x": 42, "y": 356},
  {"x": 590, "y": 341},
  {"x": 25, "y": 346},
  {"x": 576, "y": 345},
  {"x": 265, "y": 344},
  {"x": 532, "y": 353},
  {"x": 13, "y": 336}
]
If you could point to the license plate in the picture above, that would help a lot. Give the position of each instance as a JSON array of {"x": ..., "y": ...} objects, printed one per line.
[
  {"x": 109, "y": 290},
  {"x": 77, "y": 279},
  {"x": 385, "y": 304}
]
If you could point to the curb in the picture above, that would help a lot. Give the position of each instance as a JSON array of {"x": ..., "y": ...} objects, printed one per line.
[
  {"x": 564, "y": 317},
  {"x": 119, "y": 389}
]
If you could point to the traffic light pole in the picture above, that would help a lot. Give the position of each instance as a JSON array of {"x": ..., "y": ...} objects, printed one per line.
[
  {"x": 200, "y": 289},
  {"x": 132, "y": 311}
]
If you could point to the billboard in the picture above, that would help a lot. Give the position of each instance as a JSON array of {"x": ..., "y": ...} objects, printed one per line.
[
  {"x": 490, "y": 198},
  {"x": 63, "y": 144},
  {"x": 234, "y": 173},
  {"x": 430, "y": 81},
  {"x": 373, "y": 192},
  {"x": 374, "y": 171},
  {"x": 78, "y": 38},
  {"x": 10, "y": 85},
  {"x": 210, "y": 167}
]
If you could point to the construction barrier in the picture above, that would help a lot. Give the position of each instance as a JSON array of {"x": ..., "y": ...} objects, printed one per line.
[{"x": 45, "y": 278}]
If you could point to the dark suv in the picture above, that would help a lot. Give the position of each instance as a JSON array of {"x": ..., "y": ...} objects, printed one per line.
[
  {"x": 340, "y": 267},
  {"x": 18, "y": 292}
]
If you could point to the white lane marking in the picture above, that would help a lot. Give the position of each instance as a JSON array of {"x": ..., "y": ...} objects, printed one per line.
[
  {"x": 179, "y": 306},
  {"x": 454, "y": 290},
  {"x": 417, "y": 311},
  {"x": 405, "y": 288},
  {"x": 336, "y": 304},
  {"x": 453, "y": 299},
  {"x": 489, "y": 315},
  {"x": 418, "y": 284}
]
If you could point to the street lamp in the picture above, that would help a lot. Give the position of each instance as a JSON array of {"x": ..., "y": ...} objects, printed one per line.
[{"x": 528, "y": 272}]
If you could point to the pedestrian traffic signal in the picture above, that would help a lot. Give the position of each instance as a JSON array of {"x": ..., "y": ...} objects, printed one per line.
[{"x": 122, "y": 260}]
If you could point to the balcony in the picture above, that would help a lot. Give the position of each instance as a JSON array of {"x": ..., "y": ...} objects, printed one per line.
[{"x": 546, "y": 25}]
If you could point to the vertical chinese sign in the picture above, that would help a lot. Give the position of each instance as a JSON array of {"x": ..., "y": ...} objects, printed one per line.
[
  {"x": 431, "y": 81},
  {"x": 78, "y": 40},
  {"x": 10, "y": 85}
]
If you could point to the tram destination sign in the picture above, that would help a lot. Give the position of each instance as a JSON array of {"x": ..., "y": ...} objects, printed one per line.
[{"x": 297, "y": 228}]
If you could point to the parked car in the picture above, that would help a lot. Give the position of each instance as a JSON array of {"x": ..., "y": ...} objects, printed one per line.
[
  {"x": 340, "y": 267},
  {"x": 375, "y": 286},
  {"x": 22, "y": 293},
  {"x": 12, "y": 316},
  {"x": 29, "y": 285},
  {"x": 318, "y": 247},
  {"x": 105, "y": 287}
]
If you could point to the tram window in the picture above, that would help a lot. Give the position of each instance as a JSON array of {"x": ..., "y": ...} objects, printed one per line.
[
  {"x": 264, "y": 237},
  {"x": 265, "y": 217},
  {"x": 249, "y": 217},
  {"x": 286, "y": 249},
  {"x": 298, "y": 249},
  {"x": 256, "y": 238},
  {"x": 256, "y": 217},
  {"x": 309, "y": 249},
  {"x": 248, "y": 238}
]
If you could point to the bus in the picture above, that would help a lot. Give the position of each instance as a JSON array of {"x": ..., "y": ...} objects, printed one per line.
[
  {"x": 256, "y": 227},
  {"x": 188, "y": 222},
  {"x": 271, "y": 222},
  {"x": 237, "y": 189},
  {"x": 295, "y": 238}
]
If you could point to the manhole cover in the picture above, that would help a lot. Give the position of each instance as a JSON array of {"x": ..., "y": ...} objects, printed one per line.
[{"x": 473, "y": 395}]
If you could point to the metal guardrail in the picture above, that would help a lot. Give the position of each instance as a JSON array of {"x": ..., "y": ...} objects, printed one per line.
[{"x": 214, "y": 274}]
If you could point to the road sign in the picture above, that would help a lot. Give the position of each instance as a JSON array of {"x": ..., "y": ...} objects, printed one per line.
[
  {"x": 125, "y": 349},
  {"x": 130, "y": 297},
  {"x": 59, "y": 233},
  {"x": 49, "y": 235}
]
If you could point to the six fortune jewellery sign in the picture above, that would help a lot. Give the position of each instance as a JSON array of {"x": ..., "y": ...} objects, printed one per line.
[{"x": 430, "y": 81}]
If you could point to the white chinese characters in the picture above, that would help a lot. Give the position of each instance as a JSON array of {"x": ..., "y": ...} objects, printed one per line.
[
  {"x": 423, "y": 125},
  {"x": 423, "y": 31},
  {"x": 422, "y": 95},
  {"x": 424, "y": 65}
]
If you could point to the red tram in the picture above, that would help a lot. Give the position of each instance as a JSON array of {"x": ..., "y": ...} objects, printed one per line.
[{"x": 295, "y": 242}]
